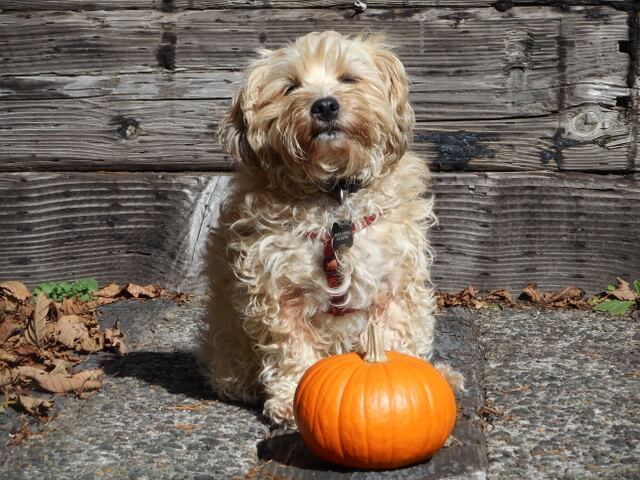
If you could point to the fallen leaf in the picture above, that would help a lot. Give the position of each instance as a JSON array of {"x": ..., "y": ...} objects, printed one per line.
[
  {"x": 488, "y": 411},
  {"x": 8, "y": 357},
  {"x": 623, "y": 291},
  {"x": 188, "y": 427},
  {"x": 113, "y": 340},
  {"x": 635, "y": 373},
  {"x": 70, "y": 306},
  {"x": 35, "y": 330},
  {"x": 7, "y": 328},
  {"x": 6, "y": 376},
  {"x": 501, "y": 294},
  {"x": 19, "y": 435},
  {"x": 60, "y": 383},
  {"x": 16, "y": 289},
  {"x": 568, "y": 293},
  {"x": 73, "y": 333},
  {"x": 137, "y": 291},
  {"x": 38, "y": 407},
  {"x": 531, "y": 293},
  {"x": 108, "y": 291},
  {"x": 192, "y": 407}
]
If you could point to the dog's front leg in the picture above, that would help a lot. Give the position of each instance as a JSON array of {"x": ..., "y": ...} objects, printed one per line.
[
  {"x": 287, "y": 346},
  {"x": 408, "y": 323}
]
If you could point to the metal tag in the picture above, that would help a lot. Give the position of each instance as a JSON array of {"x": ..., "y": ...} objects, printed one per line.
[{"x": 342, "y": 234}]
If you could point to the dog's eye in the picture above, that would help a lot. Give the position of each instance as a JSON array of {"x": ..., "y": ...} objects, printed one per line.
[
  {"x": 291, "y": 88},
  {"x": 348, "y": 79}
]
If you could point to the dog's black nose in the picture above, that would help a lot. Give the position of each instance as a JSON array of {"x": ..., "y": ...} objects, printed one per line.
[{"x": 325, "y": 109}]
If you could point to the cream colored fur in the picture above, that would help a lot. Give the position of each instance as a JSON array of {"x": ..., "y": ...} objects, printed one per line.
[{"x": 267, "y": 320}]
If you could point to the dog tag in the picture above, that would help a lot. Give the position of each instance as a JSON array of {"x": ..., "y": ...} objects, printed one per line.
[{"x": 341, "y": 234}]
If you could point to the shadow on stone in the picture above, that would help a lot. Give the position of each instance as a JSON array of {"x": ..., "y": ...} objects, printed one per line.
[
  {"x": 176, "y": 372},
  {"x": 288, "y": 449}
]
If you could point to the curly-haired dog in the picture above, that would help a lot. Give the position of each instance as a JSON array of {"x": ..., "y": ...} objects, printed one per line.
[{"x": 325, "y": 227}]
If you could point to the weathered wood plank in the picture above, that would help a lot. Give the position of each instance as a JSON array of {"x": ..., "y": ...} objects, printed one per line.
[
  {"x": 496, "y": 229},
  {"x": 524, "y": 76},
  {"x": 522, "y": 44},
  {"x": 170, "y": 5},
  {"x": 104, "y": 134}
]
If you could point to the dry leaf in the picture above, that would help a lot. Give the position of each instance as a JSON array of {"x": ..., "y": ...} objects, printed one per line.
[
  {"x": 501, "y": 294},
  {"x": 16, "y": 289},
  {"x": 137, "y": 291},
  {"x": 568, "y": 293},
  {"x": 7, "y": 376},
  {"x": 624, "y": 291},
  {"x": 70, "y": 306},
  {"x": 61, "y": 383},
  {"x": 109, "y": 291},
  {"x": 8, "y": 357},
  {"x": 7, "y": 328},
  {"x": 531, "y": 293},
  {"x": 73, "y": 333},
  {"x": 36, "y": 327},
  {"x": 113, "y": 340},
  {"x": 21, "y": 434},
  {"x": 38, "y": 407},
  {"x": 188, "y": 427}
]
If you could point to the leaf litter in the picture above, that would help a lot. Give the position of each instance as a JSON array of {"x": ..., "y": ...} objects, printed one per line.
[
  {"x": 42, "y": 340},
  {"x": 616, "y": 300}
]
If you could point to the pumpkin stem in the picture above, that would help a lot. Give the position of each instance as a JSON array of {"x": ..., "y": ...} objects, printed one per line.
[{"x": 375, "y": 345}]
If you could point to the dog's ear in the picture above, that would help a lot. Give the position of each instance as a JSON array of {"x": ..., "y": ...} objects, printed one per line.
[
  {"x": 234, "y": 128},
  {"x": 394, "y": 76}
]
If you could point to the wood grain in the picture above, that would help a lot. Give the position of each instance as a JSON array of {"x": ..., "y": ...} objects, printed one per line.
[
  {"x": 497, "y": 230},
  {"x": 176, "y": 135},
  {"x": 526, "y": 89},
  {"x": 436, "y": 42},
  {"x": 170, "y": 5}
]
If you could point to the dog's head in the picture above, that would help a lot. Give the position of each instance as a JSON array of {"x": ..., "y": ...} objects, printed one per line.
[{"x": 325, "y": 107}]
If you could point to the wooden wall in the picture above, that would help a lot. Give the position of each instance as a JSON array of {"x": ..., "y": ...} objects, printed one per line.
[{"x": 527, "y": 111}]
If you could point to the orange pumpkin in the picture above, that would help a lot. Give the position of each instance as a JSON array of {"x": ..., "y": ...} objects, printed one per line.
[{"x": 379, "y": 411}]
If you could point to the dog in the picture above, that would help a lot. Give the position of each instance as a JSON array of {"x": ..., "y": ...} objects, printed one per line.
[{"x": 325, "y": 226}]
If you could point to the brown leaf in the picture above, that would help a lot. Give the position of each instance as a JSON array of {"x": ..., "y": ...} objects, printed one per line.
[
  {"x": 7, "y": 328},
  {"x": 70, "y": 306},
  {"x": 188, "y": 427},
  {"x": 624, "y": 291},
  {"x": 73, "y": 333},
  {"x": 38, "y": 407},
  {"x": 7, "y": 376},
  {"x": 16, "y": 289},
  {"x": 137, "y": 291},
  {"x": 35, "y": 330},
  {"x": 61, "y": 383},
  {"x": 501, "y": 294},
  {"x": 21, "y": 434},
  {"x": 8, "y": 357},
  {"x": 568, "y": 293},
  {"x": 531, "y": 293},
  {"x": 108, "y": 291},
  {"x": 113, "y": 340}
]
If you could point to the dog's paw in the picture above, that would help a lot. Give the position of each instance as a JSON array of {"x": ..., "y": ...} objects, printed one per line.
[
  {"x": 455, "y": 378},
  {"x": 279, "y": 413}
]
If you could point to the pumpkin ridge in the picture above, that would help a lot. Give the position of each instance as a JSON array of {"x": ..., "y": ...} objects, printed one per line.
[
  {"x": 305, "y": 380},
  {"x": 327, "y": 376},
  {"x": 427, "y": 399},
  {"x": 339, "y": 419},
  {"x": 392, "y": 404}
]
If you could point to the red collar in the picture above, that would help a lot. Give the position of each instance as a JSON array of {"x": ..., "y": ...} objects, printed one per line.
[{"x": 330, "y": 263}]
